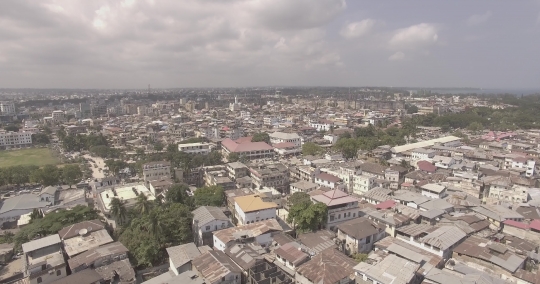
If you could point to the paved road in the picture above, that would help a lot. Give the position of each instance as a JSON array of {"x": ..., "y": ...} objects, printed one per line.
[{"x": 100, "y": 163}]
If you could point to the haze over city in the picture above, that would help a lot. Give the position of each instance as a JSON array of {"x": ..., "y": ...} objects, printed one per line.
[{"x": 235, "y": 43}]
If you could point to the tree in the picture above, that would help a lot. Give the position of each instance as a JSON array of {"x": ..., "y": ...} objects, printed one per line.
[
  {"x": 177, "y": 193},
  {"x": 209, "y": 196},
  {"x": 348, "y": 147},
  {"x": 412, "y": 109},
  {"x": 142, "y": 204},
  {"x": 233, "y": 157},
  {"x": 307, "y": 216},
  {"x": 140, "y": 152},
  {"x": 297, "y": 198},
  {"x": 36, "y": 214},
  {"x": 11, "y": 128},
  {"x": 40, "y": 139},
  {"x": 118, "y": 209},
  {"x": 48, "y": 175},
  {"x": 359, "y": 257},
  {"x": 158, "y": 146},
  {"x": 475, "y": 126},
  {"x": 71, "y": 174},
  {"x": 261, "y": 137},
  {"x": 310, "y": 148}
]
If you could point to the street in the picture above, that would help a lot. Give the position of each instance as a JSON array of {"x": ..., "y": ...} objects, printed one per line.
[{"x": 96, "y": 173}]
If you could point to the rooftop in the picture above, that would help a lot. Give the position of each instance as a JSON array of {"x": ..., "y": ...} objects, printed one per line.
[
  {"x": 334, "y": 197},
  {"x": 182, "y": 254},
  {"x": 391, "y": 270},
  {"x": 254, "y": 202},
  {"x": 213, "y": 265},
  {"x": 86, "y": 241},
  {"x": 329, "y": 266},
  {"x": 41, "y": 243},
  {"x": 206, "y": 214},
  {"x": 250, "y": 230}
]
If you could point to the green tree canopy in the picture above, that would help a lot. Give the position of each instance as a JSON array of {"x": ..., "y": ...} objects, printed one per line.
[
  {"x": 310, "y": 148},
  {"x": 71, "y": 174},
  {"x": 298, "y": 197},
  {"x": 209, "y": 196},
  {"x": 261, "y": 137},
  {"x": 233, "y": 157},
  {"x": 348, "y": 147},
  {"x": 307, "y": 216}
]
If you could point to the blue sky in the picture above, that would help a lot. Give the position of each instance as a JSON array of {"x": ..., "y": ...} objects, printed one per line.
[{"x": 235, "y": 43}]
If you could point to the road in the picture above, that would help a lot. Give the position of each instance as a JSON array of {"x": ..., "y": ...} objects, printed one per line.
[{"x": 100, "y": 165}]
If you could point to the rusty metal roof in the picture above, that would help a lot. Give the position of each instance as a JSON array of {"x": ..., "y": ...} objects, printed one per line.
[{"x": 328, "y": 267}]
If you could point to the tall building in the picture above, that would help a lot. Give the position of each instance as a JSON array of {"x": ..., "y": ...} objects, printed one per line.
[
  {"x": 236, "y": 105},
  {"x": 19, "y": 139},
  {"x": 99, "y": 110},
  {"x": 7, "y": 108}
]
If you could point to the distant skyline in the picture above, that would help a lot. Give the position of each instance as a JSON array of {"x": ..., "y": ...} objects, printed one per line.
[{"x": 240, "y": 43}]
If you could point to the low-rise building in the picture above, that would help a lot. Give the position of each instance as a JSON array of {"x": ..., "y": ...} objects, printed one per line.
[
  {"x": 9, "y": 139},
  {"x": 259, "y": 233},
  {"x": 433, "y": 190},
  {"x": 303, "y": 186},
  {"x": 252, "y": 208},
  {"x": 43, "y": 261},
  {"x": 437, "y": 240},
  {"x": 282, "y": 137},
  {"x": 13, "y": 208},
  {"x": 274, "y": 175},
  {"x": 207, "y": 219},
  {"x": 247, "y": 149},
  {"x": 195, "y": 148},
  {"x": 329, "y": 266},
  {"x": 391, "y": 270},
  {"x": 291, "y": 255},
  {"x": 216, "y": 267},
  {"x": 341, "y": 206},
  {"x": 182, "y": 256},
  {"x": 156, "y": 171},
  {"x": 98, "y": 257},
  {"x": 358, "y": 235}
]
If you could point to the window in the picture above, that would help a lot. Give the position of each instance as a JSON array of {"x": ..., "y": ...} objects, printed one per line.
[
  {"x": 339, "y": 216},
  {"x": 39, "y": 280},
  {"x": 58, "y": 272},
  {"x": 222, "y": 278},
  {"x": 207, "y": 228}
]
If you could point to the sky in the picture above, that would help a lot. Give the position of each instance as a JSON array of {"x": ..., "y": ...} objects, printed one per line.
[{"x": 243, "y": 43}]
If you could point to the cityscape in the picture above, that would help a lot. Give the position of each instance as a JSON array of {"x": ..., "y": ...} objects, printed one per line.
[{"x": 246, "y": 143}]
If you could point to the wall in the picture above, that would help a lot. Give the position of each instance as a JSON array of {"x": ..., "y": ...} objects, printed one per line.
[
  {"x": 49, "y": 278},
  {"x": 13, "y": 215},
  {"x": 244, "y": 218}
]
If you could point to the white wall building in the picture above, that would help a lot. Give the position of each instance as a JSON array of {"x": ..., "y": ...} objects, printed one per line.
[
  {"x": 434, "y": 191},
  {"x": 321, "y": 125},
  {"x": 195, "y": 148},
  {"x": 251, "y": 208},
  {"x": 282, "y": 137},
  {"x": 422, "y": 154},
  {"x": 58, "y": 116},
  {"x": 19, "y": 139},
  {"x": 156, "y": 170},
  {"x": 7, "y": 108}
]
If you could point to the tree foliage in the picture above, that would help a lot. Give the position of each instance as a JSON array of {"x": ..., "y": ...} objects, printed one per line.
[
  {"x": 310, "y": 148},
  {"x": 297, "y": 198},
  {"x": 233, "y": 157},
  {"x": 348, "y": 147},
  {"x": 209, "y": 196},
  {"x": 147, "y": 236},
  {"x": 71, "y": 174},
  {"x": 54, "y": 222},
  {"x": 40, "y": 139},
  {"x": 261, "y": 137},
  {"x": 307, "y": 216}
]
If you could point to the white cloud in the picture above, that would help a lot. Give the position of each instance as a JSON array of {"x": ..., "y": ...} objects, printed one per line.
[
  {"x": 397, "y": 56},
  {"x": 414, "y": 36},
  {"x": 357, "y": 29},
  {"x": 479, "y": 18}
]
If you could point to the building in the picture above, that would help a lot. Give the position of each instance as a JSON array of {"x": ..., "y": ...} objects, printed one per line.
[
  {"x": 43, "y": 261},
  {"x": 433, "y": 190},
  {"x": 251, "y": 208},
  {"x": 13, "y": 208},
  {"x": 422, "y": 154},
  {"x": 267, "y": 272},
  {"x": 259, "y": 233},
  {"x": 327, "y": 180},
  {"x": 303, "y": 186},
  {"x": 447, "y": 141},
  {"x": 391, "y": 270},
  {"x": 322, "y": 125},
  {"x": 7, "y": 108},
  {"x": 156, "y": 171},
  {"x": 58, "y": 116},
  {"x": 291, "y": 255},
  {"x": 188, "y": 277},
  {"x": 98, "y": 110},
  {"x": 127, "y": 193},
  {"x": 282, "y": 137},
  {"x": 87, "y": 276},
  {"x": 98, "y": 257},
  {"x": 181, "y": 257},
  {"x": 237, "y": 170},
  {"x": 9, "y": 139},
  {"x": 329, "y": 266},
  {"x": 247, "y": 149},
  {"x": 275, "y": 175},
  {"x": 436, "y": 240},
  {"x": 195, "y": 148},
  {"x": 341, "y": 206},
  {"x": 358, "y": 235},
  {"x": 216, "y": 267},
  {"x": 207, "y": 219}
]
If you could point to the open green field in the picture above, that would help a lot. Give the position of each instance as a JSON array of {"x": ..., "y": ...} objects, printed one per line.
[{"x": 38, "y": 156}]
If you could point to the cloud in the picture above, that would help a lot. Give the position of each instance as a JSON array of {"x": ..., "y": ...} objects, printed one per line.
[
  {"x": 397, "y": 56},
  {"x": 479, "y": 18},
  {"x": 414, "y": 36},
  {"x": 357, "y": 29}
]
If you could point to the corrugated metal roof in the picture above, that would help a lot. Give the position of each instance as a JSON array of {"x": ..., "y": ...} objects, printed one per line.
[{"x": 41, "y": 243}]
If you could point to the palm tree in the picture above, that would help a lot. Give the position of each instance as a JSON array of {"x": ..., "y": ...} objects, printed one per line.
[
  {"x": 143, "y": 204},
  {"x": 155, "y": 226},
  {"x": 118, "y": 209}
]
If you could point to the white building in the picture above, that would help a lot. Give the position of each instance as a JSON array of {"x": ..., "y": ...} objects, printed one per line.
[
  {"x": 195, "y": 148},
  {"x": 282, "y": 137},
  {"x": 236, "y": 105},
  {"x": 443, "y": 162},
  {"x": 7, "y": 108},
  {"x": 13, "y": 208},
  {"x": 525, "y": 163},
  {"x": 207, "y": 219},
  {"x": 19, "y": 139},
  {"x": 341, "y": 206},
  {"x": 303, "y": 186},
  {"x": 362, "y": 184},
  {"x": 259, "y": 233},
  {"x": 251, "y": 208},
  {"x": 156, "y": 170},
  {"x": 43, "y": 261},
  {"x": 58, "y": 116},
  {"x": 321, "y": 125},
  {"x": 422, "y": 154},
  {"x": 433, "y": 190},
  {"x": 127, "y": 193}
]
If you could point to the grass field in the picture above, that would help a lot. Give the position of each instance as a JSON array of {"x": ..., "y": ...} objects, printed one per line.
[{"x": 38, "y": 156}]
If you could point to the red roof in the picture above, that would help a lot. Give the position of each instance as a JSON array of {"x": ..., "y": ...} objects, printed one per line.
[
  {"x": 386, "y": 205},
  {"x": 535, "y": 225},
  {"x": 284, "y": 145},
  {"x": 233, "y": 146},
  {"x": 243, "y": 139},
  {"x": 426, "y": 166},
  {"x": 516, "y": 224},
  {"x": 328, "y": 177}
]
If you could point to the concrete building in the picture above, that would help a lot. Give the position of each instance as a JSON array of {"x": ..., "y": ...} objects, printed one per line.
[
  {"x": 207, "y": 219},
  {"x": 303, "y": 186},
  {"x": 9, "y": 139},
  {"x": 43, "y": 261},
  {"x": 156, "y": 171},
  {"x": 127, "y": 193},
  {"x": 7, "y": 108},
  {"x": 358, "y": 235},
  {"x": 98, "y": 257},
  {"x": 216, "y": 267},
  {"x": 282, "y": 137},
  {"x": 182, "y": 256},
  {"x": 341, "y": 206},
  {"x": 195, "y": 148},
  {"x": 274, "y": 175},
  {"x": 252, "y": 208},
  {"x": 58, "y": 116},
  {"x": 392, "y": 269},
  {"x": 13, "y": 208},
  {"x": 259, "y": 233},
  {"x": 247, "y": 149},
  {"x": 433, "y": 190},
  {"x": 329, "y": 266}
]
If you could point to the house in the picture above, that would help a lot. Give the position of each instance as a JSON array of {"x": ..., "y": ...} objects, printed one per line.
[
  {"x": 341, "y": 206},
  {"x": 391, "y": 270},
  {"x": 286, "y": 149},
  {"x": 237, "y": 170},
  {"x": 322, "y": 125},
  {"x": 358, "y": 235},
  {"x": 48, "y": 194},
  {"x": 87, "y": 276},
  {"x": 13, "y": 208},
  {"x": 252, "y": 208},
  {"x": 246, "y": 256},
  {"x": 156, "y": 170},
  {"x": 260, "y": 233},
  {"x": 327, "y": 180},
  {"x": 216, "y": 267},
  {"x": 188, "y": 277},
  {"x": 43, "y": 261},
  {"x": 181, "y": 257},
  {"x": 291, "y": 255},
  {"x": 318, "y": 241},
  {"x": 84, "y": 236},
  {"x": 274, "y": 175},
  {"x": 433, "y": 190},
  {"x": 443, "y": 162},
  {"x": 98, "y": 257},
  {"x": 439, "y": 241},
  {"x": 160, "y": 187},
  {"x": 282, "y": 137},
  {"x": 247, "y": 149},
  {"x": 207, "y": 219},
  {"x": 328, "y": 267},
  {"x": 195, "y": 148},
  {"x": 303, "y": 186},
  {"x": 422, "y": 154},
  {"x": 497, "y": 214}
]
